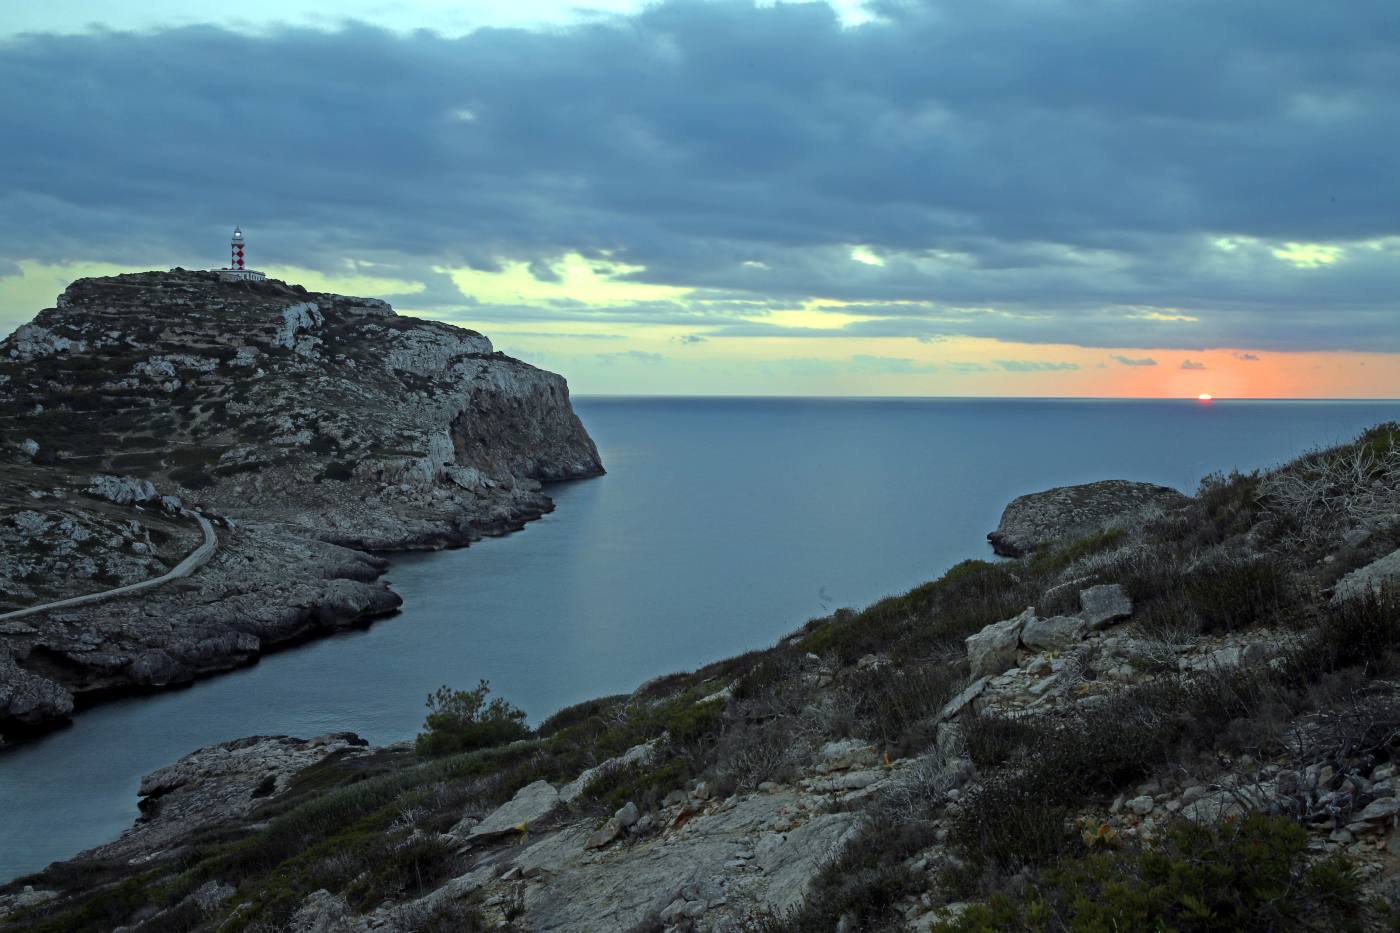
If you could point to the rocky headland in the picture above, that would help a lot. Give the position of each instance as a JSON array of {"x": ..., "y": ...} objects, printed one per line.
[
  {"x": 1175, "y": 712},
  {"x": 307, "y": 430}
]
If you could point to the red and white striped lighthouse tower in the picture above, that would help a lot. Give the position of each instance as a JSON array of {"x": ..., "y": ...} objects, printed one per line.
[{"x": 236, "y": 271}]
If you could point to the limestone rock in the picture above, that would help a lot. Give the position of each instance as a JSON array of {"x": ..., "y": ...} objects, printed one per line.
[
  {"x": 123, "y": 490},
  {"x": 530, "y": 804},
  {"x": 29, "y": 698},
  {"x": 636, "y": 755},
  {"x": 1101, "y": 606},
  {"x": 627, "y": 815},
  {"x": 1055, "y": 632},
  {"x": 1380, "y": 809},
  {"x": 216, "y": 784},
  {"x": 964, "y": 698},
  {"x": 993, "y": 649},
  {"x": 1068, "y": 512},
  {"x": 1370, "y": 579},
  {"x": 322, "y": 912},
  {"x": 846, "y": 753},
  {"x": 604, "y": 834}
]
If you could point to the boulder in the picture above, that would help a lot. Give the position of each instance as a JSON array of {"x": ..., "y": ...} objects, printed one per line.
[
  {"x": 530, "y": 804},
  {"x": 123, "y": 490},
  {"x": 993, "y": 650},
  {"x": 846, "y": 753},
  {"x": 1067, "y": 512},
  {"x": 1381, "y": 808},
  {"x": 1055, "y": 632},
  {"x": 627, "y": 815},
  {"x": 1371, "y": 579},
  {"x": 1101, "y": 606}
]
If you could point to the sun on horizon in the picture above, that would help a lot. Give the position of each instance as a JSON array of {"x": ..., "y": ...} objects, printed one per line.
[{"x": 1205, "y": 397}]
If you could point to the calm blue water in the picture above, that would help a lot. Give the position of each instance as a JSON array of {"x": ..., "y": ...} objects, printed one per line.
[{"x": 723, "y": 524}]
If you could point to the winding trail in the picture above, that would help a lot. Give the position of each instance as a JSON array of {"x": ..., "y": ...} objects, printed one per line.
[{"x": 196, "y": 559}]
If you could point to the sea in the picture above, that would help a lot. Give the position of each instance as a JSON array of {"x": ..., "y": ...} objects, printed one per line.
[{"x": 722, "y": 525}]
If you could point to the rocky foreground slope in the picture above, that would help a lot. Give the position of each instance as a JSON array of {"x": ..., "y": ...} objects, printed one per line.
[
  {"x": 311, "y": 429},
  {"x": 1167, "y": 718}
]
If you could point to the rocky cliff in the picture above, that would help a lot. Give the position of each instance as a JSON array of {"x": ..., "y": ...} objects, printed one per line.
[
  {"x": 1182, "y": 715},
  {"x": 311, "y": 428}
]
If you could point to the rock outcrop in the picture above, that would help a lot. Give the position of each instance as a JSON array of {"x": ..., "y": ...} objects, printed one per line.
[
  {"x": 1370, "y": 579},
  {"x": 218, "y": 784},
  {"x": 1068, "y": 512},
  {"x": 310, "y": 427}
]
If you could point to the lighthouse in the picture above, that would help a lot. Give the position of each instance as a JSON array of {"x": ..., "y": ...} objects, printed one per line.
[{"x": 236, "y": 271}]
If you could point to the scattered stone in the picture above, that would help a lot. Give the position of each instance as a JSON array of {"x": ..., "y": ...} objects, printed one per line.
[
  {"x": 993, "y": 649},
  {"x": 1141, "y": 805},
  {"x": 1101, "y": 606},
  {"x": 1380, "y": 809},
  {"x": 846, "y": 753},
  {"x": 1055, "y": 632},
  {"x": 960, "y": 702}
]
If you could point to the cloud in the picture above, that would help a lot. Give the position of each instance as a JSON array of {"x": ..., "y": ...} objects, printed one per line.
[
  {"x": 632, "y": 356},
  {"x": 1192, "y": 364},
  {"x": 743, "y": 153},
  {"x": 1247, "y": 357},
  {"x": 1129, "y": 361},
  {"x": 1033, "y": 366},
  {"x": 691, "y": 339},
  {"x": 864, "y": 363}
]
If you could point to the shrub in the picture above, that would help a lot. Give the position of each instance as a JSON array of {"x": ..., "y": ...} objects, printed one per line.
[
  {"x": 340, "y": 470},
  {"x": 463, "y": 720},
  {"x": 1239, "y": 875},
  {"x": 927, "y": 619},
  {"x": 1232, "y": 595},
  {"x": 401, "y": 868}
]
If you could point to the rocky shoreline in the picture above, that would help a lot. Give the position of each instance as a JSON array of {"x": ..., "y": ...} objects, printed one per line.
[
  {"x": 316, "y": 431},
  {"x": 1164, "y": 683}
]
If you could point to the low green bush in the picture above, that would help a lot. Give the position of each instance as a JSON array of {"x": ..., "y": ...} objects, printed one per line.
[
  {"x": 1249, "y": 875},
  {"x": 463, "y": 720},
  {"x": 1233, "y": 595}
]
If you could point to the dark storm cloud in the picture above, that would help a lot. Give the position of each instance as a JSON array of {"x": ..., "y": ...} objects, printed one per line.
[{"x": 1065, "y": 167}]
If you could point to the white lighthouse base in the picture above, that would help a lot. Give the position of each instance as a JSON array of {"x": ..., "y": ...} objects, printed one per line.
[{"x": 241, "y": 275}]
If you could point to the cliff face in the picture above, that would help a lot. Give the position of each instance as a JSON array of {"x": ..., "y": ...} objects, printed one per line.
[{"x": 311, "y": 426}]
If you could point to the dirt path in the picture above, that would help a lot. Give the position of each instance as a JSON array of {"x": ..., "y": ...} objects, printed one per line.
[{"x": 196, "y": 559}]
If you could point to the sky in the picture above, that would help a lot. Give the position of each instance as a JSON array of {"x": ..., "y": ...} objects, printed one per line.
[{"x": 894, "y": 197}]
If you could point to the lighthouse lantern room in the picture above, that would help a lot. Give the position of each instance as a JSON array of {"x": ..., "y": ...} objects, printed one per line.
[{"x": 236, "y": 271}]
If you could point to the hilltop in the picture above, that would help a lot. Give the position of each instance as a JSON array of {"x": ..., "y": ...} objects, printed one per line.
[
  {"x": 308, "y": 429},
  {"x": 1169, "y": 712}
]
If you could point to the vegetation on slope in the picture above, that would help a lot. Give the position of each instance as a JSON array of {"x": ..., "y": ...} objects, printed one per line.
[{"x": 1016, "y": 846}]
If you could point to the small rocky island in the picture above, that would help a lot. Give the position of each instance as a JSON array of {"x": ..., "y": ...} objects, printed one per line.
[
  {"x": 1172, "y": 712},
  {"x": 275, "y": 435}
]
